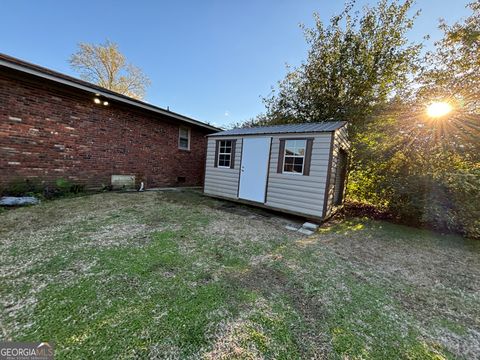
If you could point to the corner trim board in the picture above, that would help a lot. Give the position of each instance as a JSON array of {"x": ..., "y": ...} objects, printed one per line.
[
  {"x": 240, "y": 169},
  {"x": 268, "y": 170},
  {"x": 326, "y": 191}
]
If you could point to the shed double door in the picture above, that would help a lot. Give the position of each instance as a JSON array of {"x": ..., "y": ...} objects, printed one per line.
[{"x": 254, "y": 169}]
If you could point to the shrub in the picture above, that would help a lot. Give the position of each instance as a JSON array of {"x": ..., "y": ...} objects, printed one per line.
[
  {"x": 440, "y": 193},
  {"x": 448, "y": 201},
  {"x": 22, "y": 187},
  {"x": 459, "y": 209},
  {"x": 33, "y": 187},
  {"x": 64, "y": 187}
]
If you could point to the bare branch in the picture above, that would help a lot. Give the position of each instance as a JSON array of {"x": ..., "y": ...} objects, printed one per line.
[{"x": 106, "y": 66}]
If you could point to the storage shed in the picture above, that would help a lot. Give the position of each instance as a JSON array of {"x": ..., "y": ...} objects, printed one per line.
[{"x": 295, "y": 168}]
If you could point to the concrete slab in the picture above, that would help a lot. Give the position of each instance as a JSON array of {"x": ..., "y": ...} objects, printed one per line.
[
  {"x": 305, "y": 231},
  {"x": 310, "y": 226},
  {"x": 292, "y": 227}
]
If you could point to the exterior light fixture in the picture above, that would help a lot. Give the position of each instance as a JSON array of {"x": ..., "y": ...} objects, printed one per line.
[
  {"x": 96, "y": 100},
  {"x": 105, "y": 103}
]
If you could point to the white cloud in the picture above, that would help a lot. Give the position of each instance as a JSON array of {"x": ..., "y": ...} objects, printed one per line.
[{"x": 227, "y": 113}]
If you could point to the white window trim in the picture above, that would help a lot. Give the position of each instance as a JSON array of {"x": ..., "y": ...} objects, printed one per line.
[
  {"x": 220, "y": 153},
  {"x": 294, "y": 156},
  {"x": 179, "y": 137}
]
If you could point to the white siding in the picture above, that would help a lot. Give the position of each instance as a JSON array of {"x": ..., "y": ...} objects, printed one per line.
[
  {"x": 299, "y": 193},
  {"x": 295, "y": 193},
  {"x": 222, "y": 181}
]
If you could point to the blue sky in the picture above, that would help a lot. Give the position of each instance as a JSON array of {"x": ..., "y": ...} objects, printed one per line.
[{"x": 210, "y": 59}]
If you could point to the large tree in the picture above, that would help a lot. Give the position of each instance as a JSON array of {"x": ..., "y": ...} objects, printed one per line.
[
  {"x": 353, "y": 66},
  {"x": 106, "y": 66},
  {"x": 452, "y": 74}
]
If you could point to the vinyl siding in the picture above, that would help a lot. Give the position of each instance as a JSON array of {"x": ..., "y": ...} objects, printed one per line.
[
  {"x": 293, "y": 193},
  {"x": 340, "y": 142},
  {"x": 222, "y": 181},
  {"x": 299, "y": 193}
]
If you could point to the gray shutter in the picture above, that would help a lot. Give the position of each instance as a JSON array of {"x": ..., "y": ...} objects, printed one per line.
[
  {"x": 308, "y": 157},
  {"x": 232, "y": 154},
  {"x": 215, "y": 161},
  {"x": 281, "y": 152}
]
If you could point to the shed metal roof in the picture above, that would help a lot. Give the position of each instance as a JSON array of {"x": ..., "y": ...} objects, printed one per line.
[{"x": 324, "y": 126}]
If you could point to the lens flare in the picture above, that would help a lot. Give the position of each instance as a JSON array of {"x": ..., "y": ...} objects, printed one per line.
[{"x": 438, "y": 109}]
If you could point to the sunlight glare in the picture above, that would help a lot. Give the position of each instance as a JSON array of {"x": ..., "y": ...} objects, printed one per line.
[{"x": 438, "y": 109}]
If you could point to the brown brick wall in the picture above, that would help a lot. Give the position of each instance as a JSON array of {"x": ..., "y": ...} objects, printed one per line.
[{"x": 50, "y": 131}]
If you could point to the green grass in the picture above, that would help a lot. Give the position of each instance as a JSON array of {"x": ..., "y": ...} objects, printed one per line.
[{"x": 179, "y": 275}]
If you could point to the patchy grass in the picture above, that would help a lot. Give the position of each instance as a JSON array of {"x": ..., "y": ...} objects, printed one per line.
[{"x": 180, "y": 275}]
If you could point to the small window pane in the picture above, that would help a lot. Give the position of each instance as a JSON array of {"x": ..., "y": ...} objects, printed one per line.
[
  {"x": 183, "y": 138},
  {"x": 288, "y": 167},
  {"x": 289, "y": 160},
  {"x": 299, "y": 161},
  {"x": 300, "y": 147},
  {"x": 297, "y": 168},
  {"x": 224, "y": 160},
  {"x": 290, "y": 146}
]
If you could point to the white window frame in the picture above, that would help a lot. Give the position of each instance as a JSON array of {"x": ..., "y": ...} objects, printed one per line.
[
  {"x": 180, "y": 137},
  {"x": 295, "y": 157},
  {"x": 229, "y": 154}
]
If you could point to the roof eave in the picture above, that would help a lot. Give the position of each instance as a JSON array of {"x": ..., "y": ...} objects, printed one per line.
[
  {"x": 106, "y": 93},
  {"x": 273, "y": 133}
]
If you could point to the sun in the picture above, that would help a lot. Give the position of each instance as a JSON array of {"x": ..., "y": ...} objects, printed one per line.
[{"x": 438, "y": 109}]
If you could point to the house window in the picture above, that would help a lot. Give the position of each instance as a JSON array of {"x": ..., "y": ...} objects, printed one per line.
[
  {"x": 294, "y": 156},
  {"x": 225, "y": 153},
  {"x": 184, "y": 138}
]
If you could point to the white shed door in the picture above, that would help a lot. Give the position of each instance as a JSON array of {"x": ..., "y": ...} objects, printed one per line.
[{"x": 254, "y": 169}]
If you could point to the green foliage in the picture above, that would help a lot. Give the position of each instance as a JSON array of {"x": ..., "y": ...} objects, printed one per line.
[
  {"x": 452, "y": 74},
  {"x": 353, "y": 66},
  {"x": 63, "y": 185},
  {"x": 21, "y": 187},
  {"x": 33, "y": 187},
  {"x": 458, "y": 206}
]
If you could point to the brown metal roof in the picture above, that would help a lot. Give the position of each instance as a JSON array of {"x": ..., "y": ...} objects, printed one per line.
[{"x": 325, "y": 126}]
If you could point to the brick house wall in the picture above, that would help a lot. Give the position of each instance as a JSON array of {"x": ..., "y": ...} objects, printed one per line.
[{"x": 50, "y": 131}]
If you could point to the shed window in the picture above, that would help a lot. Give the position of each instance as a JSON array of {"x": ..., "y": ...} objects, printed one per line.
[
  {"x": 294, "y": 156},
  {"x": 184, "y": 138},
  {"x": 225, "y": 153}
]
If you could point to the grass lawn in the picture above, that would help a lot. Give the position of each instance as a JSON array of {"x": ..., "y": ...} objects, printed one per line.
[{"x": 178, "y": 275}]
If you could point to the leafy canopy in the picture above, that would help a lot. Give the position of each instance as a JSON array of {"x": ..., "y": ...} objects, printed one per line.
[{"x": 353, "y": 66}]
